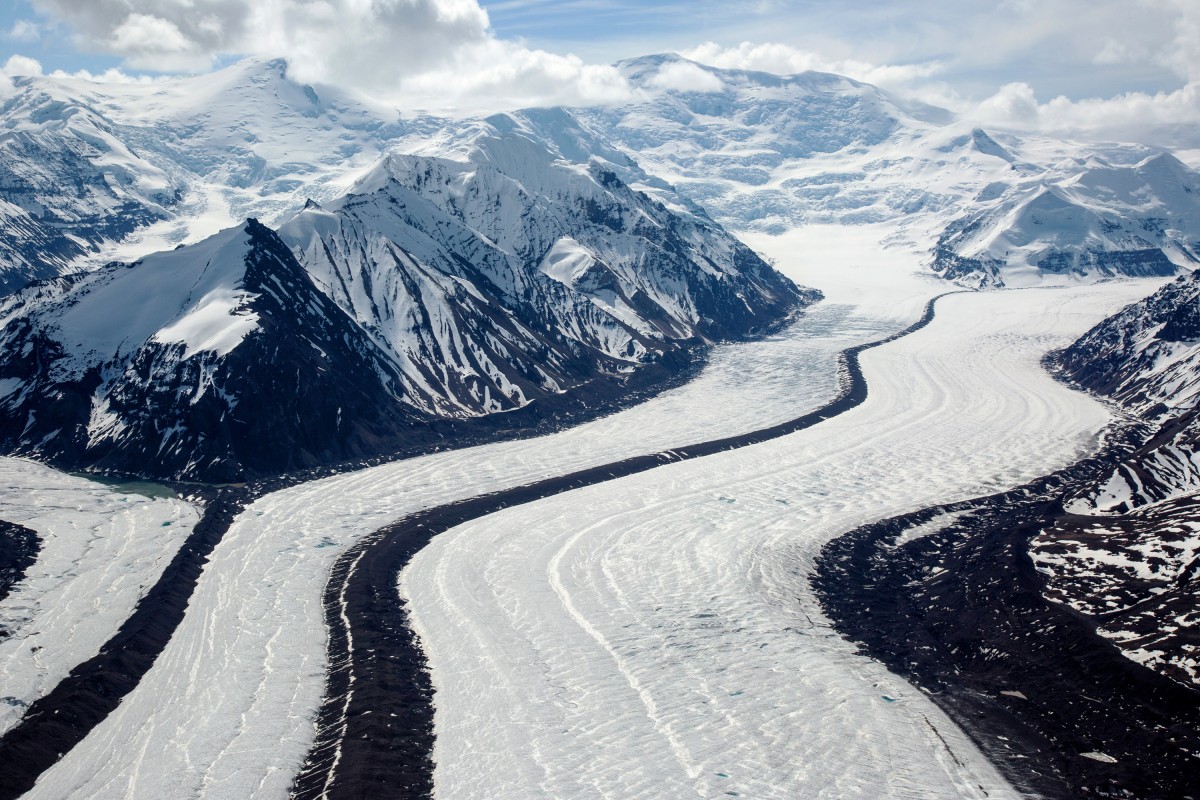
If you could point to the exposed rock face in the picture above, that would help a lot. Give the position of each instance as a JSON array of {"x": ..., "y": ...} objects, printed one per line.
[
  {"x": 435, "y": 294},
  {"x": 1128, "y": 553},
  {"x": 208, "y": 362},
  {"x": 496, "y": 280}
]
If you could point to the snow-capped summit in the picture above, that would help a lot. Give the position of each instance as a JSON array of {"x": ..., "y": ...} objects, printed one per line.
[
  {"x": 434, "y": 290},
  {"x": 207, "y": 362},
  {"x": 1081, "y": 218},
  {"x": 68, "y": 182},
  {"x": 92, "y": 171},
  {"x": 727, "y": 137},
  {"x": 95, "y": 172},
  {"x": 517, "y": 273},
  {"x": 769, "y": 153}
]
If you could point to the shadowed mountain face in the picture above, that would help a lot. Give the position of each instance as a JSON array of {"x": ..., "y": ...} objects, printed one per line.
[
  {"x": 1127, "y": 553},
  {"x": 520, "y": 264},
  {"x": 1147, "y": 356},
  {"x": 208, "y": 362},
  {"x": 516, "y": 266},
  {"x": 433, "y": 295}
]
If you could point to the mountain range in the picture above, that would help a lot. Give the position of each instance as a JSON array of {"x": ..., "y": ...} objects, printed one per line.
[
  {"x": 433, "y": 290},
  {"x": 466, "y": 268}
]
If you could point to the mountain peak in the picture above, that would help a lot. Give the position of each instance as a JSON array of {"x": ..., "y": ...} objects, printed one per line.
[{"x": 985, "y": 144}]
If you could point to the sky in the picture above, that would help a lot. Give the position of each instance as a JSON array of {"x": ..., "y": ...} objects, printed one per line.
[{"x": 1124, "y": 69}]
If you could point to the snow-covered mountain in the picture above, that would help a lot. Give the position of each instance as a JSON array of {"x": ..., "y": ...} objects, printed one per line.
[
  {"x": 85, "y": 166},
  {"x": 494, "y": 263},
  {"x": 1147, "y": 357},
  {"x": 568, "y": 261},
  {"x": 516, "y": 272},
  {"x": 90, "y": 172},
  {"x": 770, "y": 153},
  {"x": 206, "y": 362},
  {"x": 759, "y": 150},
  {"x": 436, "y": 289},
  {"x": 68, "y": 184},
  {"x": 1128, "y": 552},
  {"x": 1080, "y": 217}
]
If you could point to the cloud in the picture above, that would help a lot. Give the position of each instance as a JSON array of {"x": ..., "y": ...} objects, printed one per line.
[
  {"x": 783, "y": 59},
  {"x": 681, "y": 76},
  {"x": 17, "y": 66},
  {"x": 407, "y": 51},
  {"x": 111, "y": 75},
  {"x": 990, "y": 62},
  {"x": 1165, "y": 118},
  {"x": 167, "y": 35},
  {"x": 500, "y": 75},
  {"x": 154, "y": 43},
  {"x": 24, "y": 30},
  {"x": 1170, "y": 118},
  {"x": 1014, "y": 104}
]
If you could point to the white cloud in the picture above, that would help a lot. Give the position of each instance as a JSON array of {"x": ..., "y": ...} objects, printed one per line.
[
  {"x": 444, "y": 54},
  {"x": 440, "y": 52},
  {"x": 1183, "y": 55},
  {"x": 17, "y": 66},
  {"x": 1014, "y": 104},
  {"x": 783, "y": 59},
  {"x": 151, "y": 42},
  {"x": 500, "y": 75},
  {"x": 1167, "y": 118},
  {"x": 24, "y": 30},
  {"x": 111, "y": 75},
  {"x": 681, "y": 76}
]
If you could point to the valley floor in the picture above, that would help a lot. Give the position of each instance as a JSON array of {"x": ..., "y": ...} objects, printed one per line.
[{"x": 652, "y": 636}]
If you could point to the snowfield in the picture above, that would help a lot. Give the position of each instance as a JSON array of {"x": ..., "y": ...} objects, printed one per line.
[
  {"x": 955, "y": 410},
  {"x": 100, "y": 551}
]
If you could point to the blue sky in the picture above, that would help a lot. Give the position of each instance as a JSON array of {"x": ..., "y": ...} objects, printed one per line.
[
  {"x": 1042, "y": 61},
  {"x": 53, "y": 49},
  {"x": 1050, "y": 56},
  {"x": 985, "y": 44}
]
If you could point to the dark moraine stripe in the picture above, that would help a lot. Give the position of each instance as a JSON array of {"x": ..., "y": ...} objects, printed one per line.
[
  {"x": 19, "y": 548},
  {"x": 59, "y": 720},
  {"x": 961, "y": 615},
  {"x": 62, "y": 718},
  {"x": 375, "y": 726}
]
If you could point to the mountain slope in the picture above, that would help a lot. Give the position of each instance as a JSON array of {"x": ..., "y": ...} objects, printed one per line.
[
  {"x": 207, "y": 362},
  {"x": 436, "y": 291},
  {"x": 1127, "y": 554},
  {"x": 770, "y": 153},
  {"x": 68, "y": 183},
  {"x": 90, "y": 172},
  {"x": 514, "y": 274},
  {"x": 86, "y": 166},
  {"x": 1090, "y": 219},
  {"x": 1147, "y": 356},
  {"x": 732, "y": 139}
]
